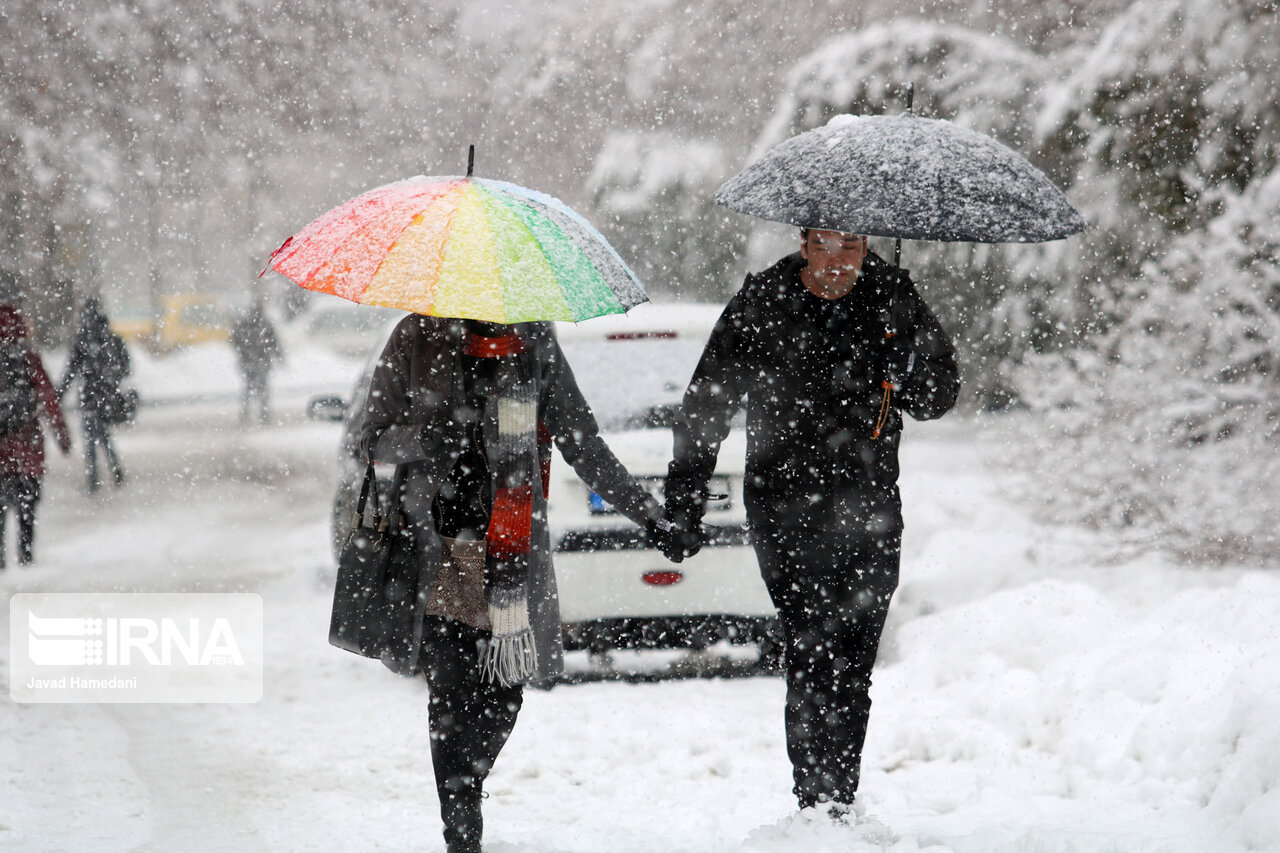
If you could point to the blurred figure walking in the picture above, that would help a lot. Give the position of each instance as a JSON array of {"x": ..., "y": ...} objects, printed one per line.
[
  {"x": 258, "y": 349},
  {"x": 100, "y": 359},
  {"x": 25, "y": 395}
]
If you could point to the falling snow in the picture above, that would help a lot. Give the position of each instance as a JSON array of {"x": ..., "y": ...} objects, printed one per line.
[{"x": 1081, "y": 653}]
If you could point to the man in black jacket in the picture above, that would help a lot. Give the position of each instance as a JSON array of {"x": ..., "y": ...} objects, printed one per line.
[
  {"x": 257, "y": 347},
  {"x": 829, "y": 346}
]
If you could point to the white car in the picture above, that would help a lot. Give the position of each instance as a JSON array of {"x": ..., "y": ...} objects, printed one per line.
[{"x": 616, "y": 589}]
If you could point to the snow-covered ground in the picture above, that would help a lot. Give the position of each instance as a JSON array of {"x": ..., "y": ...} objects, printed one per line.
[{"x": 1034, "y": 693}]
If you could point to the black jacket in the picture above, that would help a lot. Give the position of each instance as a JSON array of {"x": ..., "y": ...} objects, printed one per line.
[
  {"x": 810, "y": 371},
  {"x": 99, "y": 357},
  {"x": 254, "y": 340}
]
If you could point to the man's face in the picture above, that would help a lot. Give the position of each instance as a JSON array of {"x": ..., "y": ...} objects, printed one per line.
[{"x": 835, "y": 259}]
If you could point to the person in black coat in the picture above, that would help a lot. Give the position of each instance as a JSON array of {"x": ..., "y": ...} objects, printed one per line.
[
  {"x": 100, "y": 359},
  {"x": 258, "y": 349},
  {"x": 829, "y": 346}
]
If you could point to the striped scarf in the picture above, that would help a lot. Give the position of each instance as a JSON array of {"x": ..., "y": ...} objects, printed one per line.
[{"x": 516, "y": 459}]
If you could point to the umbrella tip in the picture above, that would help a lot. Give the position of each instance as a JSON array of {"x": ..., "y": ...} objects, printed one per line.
[
  {"x": 911, "y": 94},
  {"x": 471, "y": 159}
]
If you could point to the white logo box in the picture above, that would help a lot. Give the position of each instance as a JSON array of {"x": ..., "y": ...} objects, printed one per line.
[{"x": 135, "y": 647}]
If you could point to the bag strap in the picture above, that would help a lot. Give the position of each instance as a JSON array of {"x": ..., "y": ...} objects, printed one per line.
[
  {"x": 394, "y": 514},
  {"x": 369, "y": 486}
]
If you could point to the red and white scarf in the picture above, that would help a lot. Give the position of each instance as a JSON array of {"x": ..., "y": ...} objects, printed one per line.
[{"x": 518, "y": 458}]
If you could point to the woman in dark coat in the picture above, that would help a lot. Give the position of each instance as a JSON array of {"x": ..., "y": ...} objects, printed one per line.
[
  {"x": 25, "y": 394},
  {"x": 472, "y": 410},
  {"x": 99, "y": 358}
]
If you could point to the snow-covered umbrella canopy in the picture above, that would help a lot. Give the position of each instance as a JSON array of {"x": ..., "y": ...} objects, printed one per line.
[
  {"x": 903, "y": 176},
  {"x": 462, "y": 247}
]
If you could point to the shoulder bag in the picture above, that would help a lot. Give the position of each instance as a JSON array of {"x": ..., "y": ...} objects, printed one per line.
[{"x": 375, "y": 599}]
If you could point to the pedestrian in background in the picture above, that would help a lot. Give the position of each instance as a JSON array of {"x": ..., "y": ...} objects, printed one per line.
[
  {"x": 258, "y": 349},
  {"x": 26, "y": 398},
  {"x": 100, "y": 360}
]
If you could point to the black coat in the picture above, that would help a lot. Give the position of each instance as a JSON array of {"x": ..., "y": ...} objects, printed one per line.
[
  {"x": 99, "y": 357},
  {"x": 810, "y": 371},
  {"x": 414, "y": 415},
  {"x": 254, "y": 340}
]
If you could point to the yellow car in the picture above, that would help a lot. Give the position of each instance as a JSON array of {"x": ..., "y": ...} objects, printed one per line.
[{"x": 185, "y": 319}]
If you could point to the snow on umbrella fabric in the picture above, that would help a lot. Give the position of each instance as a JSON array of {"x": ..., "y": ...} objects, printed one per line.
[
  {"x": 903, "y": 176},
  {"x": 462, "y": 247}
]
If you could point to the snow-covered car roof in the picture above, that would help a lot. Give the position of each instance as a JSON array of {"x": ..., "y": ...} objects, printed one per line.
[
  {"x": 633, "y": 368},
  {"x": 681, "y": 318}
]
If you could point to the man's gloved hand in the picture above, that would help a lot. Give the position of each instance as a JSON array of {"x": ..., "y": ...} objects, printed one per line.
[
  {"x": 893, "y": 359},
  {"x": 688, "y": 536},
  {"x": 685, "y": 504},
  {"x": 676, "y": 540},
  {"x": 664, "y": 535}
]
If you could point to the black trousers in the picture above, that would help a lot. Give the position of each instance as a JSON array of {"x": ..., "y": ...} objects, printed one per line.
[
  {"x": 832, "y": 591},
  {"x": 255, "y": 387},
  {"x": 97, "y": 433},
  {"x": 21, "y": 493},
  {"x": 471, "y": 720}
]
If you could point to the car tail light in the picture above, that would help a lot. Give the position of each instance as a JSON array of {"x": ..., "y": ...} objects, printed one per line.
[{"x": 663, "y": 578}]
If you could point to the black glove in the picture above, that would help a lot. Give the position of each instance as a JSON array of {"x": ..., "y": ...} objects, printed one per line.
[
  {"x": 686, "y": 501},
  {"x": 663, "y": 534},
  {"x": 893, "y": 360},
  {"x": 675, "y": 540}
]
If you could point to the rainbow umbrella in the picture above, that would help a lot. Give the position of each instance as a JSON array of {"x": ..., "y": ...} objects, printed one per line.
[{"x": 462, "y": 247}]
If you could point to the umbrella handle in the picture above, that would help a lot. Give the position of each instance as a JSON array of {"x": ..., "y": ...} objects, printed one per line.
[{"x": 897, "y": 243}]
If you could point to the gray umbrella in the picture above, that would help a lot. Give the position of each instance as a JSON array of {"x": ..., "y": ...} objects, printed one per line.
[{"x": 903, "y": 176}]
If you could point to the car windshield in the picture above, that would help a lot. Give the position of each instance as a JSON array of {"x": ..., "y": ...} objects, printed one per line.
[{"x": 633, "y": 381}]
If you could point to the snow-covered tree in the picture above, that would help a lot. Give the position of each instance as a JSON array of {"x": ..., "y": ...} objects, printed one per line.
[
  {"x": 1168, "y": 427},
  {"x": 1165, "y": 422},
  {"x": 652, "y": 188},
  {"x": 1172, "y": 110}
]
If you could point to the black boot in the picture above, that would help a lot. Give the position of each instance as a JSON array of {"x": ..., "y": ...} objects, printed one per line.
[
  {"x": 463, "y": 824},
  {"x": 470, "y": 721}
]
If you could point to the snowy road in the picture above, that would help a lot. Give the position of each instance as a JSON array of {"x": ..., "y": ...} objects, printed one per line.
[{"x": 1032, "y": 694}]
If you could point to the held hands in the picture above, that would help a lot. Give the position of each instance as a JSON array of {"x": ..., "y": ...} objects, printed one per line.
[
  {"x": 681, "y": 534},
  {"x": 662, "y": 532},
  {"x": 675, "y": 539}
]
